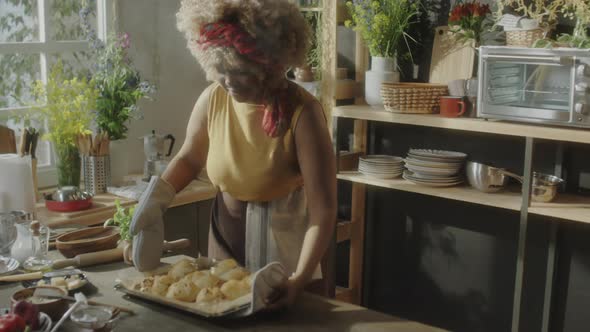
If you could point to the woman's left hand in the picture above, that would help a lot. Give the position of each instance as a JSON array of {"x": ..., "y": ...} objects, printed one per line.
[{"x": 285, "y": 295}]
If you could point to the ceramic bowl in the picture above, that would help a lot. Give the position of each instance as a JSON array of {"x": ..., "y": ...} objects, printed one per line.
[
  {"x": 54, "y": 308},
  {"x": 86, "y": 240}
]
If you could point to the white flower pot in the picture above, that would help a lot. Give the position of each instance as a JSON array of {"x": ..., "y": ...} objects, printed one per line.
[
  {"x": 119, "y": 159},
  {"x": 382, "y": 70}
]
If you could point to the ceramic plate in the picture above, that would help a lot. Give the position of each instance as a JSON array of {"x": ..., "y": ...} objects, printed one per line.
[
  {"x": 382, "y": 159},
  {"x": 433, "y": 164},
  {"x": 382, "y": 176},
  {"x": 47, "y": 281},
  {"x": 441, "y": 154},
  {"x": 440, "y": 172},
  {"x": 431, "y": 184}
]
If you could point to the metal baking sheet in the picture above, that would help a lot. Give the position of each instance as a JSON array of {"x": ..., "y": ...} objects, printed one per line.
[{"x": 219, "y": 309}]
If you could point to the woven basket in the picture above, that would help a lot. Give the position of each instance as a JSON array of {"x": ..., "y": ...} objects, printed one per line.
[
  {"x": 421, "y": 98},
  {"x": 524, "y": 38}
]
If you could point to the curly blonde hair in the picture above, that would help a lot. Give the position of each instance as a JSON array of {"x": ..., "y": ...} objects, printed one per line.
[{"x": 278, "y": 27}]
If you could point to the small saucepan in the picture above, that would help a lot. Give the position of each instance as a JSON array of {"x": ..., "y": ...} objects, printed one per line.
[
  {"x": 491, "y": 179},
  {"x": 487, "y": 178}
]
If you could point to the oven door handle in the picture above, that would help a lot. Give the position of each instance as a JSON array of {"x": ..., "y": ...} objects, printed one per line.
[{"x": 558, "y": 60}]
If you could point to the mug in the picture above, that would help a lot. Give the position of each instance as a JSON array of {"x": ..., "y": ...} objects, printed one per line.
[
  {"x": 452, "y": 107},
  {"x": 457, "y": 88}
]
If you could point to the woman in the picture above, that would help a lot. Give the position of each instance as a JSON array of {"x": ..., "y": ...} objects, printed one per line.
[{"x": 261, "y": 138}]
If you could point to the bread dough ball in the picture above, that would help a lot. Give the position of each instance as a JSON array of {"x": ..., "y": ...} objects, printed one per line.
[
  {"x": 237, "y": 273},
  {"x": 207, "y": 295},
  {"x": 181, "y": 268},
  {"x": 183, "y": 290},
  {"x": 234, "y": 289},
  {"x": 161, "y": 284},
  {"x": 223, "y": 266}
]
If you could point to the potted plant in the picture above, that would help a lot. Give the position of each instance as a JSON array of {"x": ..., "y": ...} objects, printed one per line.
[
  {"x": 579, "y": 11},
  {"x": 66, "y": 106},
  {"x": 466, "y": 22},
  {"x": 383, "y": 26},
  {"x": 312, "y": 69},
  {"x": 538, "y": 17},
  {"x": 122, "y": 219}
]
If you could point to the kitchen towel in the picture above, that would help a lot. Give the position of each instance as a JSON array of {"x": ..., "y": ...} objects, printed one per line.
[{"x": 16, "y": 184}]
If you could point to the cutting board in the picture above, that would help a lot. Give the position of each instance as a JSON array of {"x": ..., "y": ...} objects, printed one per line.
[
  {"x": 450, "y": 60},
  {"x": 7, "y": 140}
]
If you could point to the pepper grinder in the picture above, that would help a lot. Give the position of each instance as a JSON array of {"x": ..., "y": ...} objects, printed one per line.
[{"x": 39, "y": 246}]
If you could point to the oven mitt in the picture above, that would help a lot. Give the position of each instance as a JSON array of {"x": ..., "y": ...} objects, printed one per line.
[
  {"x": 147, "y": 225},
  {"x": 264, "y": 282}
]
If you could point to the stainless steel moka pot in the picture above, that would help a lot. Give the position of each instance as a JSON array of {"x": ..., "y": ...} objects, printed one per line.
[{"x": 155, "y": 152}]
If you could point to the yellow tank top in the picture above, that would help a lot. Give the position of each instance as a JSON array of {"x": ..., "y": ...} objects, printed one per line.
[{"x": 242, "y": 160}]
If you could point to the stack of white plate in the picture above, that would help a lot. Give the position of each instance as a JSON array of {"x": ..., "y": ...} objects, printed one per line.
[
  {"x": 381, "y": 166},
  {"x": 435, "y": 168}
]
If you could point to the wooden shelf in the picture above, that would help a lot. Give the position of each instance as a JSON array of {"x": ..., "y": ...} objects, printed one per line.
[
  {"x": 566, "y": 206},
  {"x": 505, "y": 200},
  {"x": 364, "y": 112}
]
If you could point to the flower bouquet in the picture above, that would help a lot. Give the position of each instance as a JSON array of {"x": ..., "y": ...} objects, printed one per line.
[{"x": 466, "y": 21}]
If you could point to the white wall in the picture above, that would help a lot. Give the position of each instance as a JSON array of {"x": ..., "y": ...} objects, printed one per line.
[{"x": 159, "y": 51}]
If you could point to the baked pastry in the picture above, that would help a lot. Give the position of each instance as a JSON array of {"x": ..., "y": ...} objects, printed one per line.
[
  {"x": 236, "y": 273},
  {"x": 207, "y": 295},
  {"x": 234, "y": 289},
  {"x": 146, "y": 285},
  {"x": 181, "y": 268},
  {"x": 183, "y": 290},
  {"x": 204, "y": 279},
  {"x": 161, "y": 284},
  {"x": 223, "y": 266}
]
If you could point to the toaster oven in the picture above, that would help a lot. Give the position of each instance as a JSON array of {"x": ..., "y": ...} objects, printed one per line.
[{"x": 549, "y": 86}]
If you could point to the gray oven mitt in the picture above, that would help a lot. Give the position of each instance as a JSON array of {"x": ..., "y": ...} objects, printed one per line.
[
  {"x": 147, "y": 225},
  {"x": 265, "y": 281}
]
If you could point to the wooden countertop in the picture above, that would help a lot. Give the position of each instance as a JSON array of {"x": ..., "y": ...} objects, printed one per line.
[
  {"x": 103, "y": 206},
  {"x": 310, "y": 313}
]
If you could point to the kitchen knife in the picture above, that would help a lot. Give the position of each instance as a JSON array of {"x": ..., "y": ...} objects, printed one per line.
[
  {"x": 112, "y": 255},
  {"x": 40, "y": 275}
]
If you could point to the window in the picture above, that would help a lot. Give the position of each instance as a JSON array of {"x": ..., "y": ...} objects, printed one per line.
[{"x": 34, "y": 35}]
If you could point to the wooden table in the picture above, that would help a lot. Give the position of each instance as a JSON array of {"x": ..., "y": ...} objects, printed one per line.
[{"x": 310, "y": 313}]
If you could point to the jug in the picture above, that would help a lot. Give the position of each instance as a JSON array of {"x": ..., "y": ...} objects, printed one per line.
[
  {"x": 8, "y": 234},
  {"x": 25, "y": 246}
]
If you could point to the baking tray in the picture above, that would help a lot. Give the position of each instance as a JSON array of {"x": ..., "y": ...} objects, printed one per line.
[{"x": 219, "y": 309}]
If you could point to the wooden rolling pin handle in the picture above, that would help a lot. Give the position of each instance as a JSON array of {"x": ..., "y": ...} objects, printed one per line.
[
  {"x": 94, "y": 258},
  {"x": 176, "y": 244},
  {"x": 22, "y": 277}
]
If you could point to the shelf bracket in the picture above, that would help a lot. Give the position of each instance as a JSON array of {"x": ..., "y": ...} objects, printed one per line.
[{"x": 522, "y": 231}]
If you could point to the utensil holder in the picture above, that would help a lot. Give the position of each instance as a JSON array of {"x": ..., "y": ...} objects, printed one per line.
[{"x": 97, "y": 173}]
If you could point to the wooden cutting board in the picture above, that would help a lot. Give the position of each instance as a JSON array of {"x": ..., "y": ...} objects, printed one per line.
[
  {"x": 450, "y": 60},
  {"x": 7, "y": 140}
]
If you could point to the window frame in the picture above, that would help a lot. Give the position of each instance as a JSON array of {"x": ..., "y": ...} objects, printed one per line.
[{"x": 105, "y": 16}]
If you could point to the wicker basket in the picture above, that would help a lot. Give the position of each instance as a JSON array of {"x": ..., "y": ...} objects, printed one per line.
[
  {"x": 524, "y": 38},
  {"x": 421, "y": 98}
]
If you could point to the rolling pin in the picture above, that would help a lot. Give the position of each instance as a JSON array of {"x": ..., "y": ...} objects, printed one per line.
[{"x": 110, "y": 256}]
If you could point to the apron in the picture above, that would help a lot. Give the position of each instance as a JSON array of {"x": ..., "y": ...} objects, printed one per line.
[{"x": 267, "y": 232}]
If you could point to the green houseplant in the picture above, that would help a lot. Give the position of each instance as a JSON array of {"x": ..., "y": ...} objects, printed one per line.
[
  {"x": 66, "y": 105},
  {"x": 383, "y": 26},
  {"x": 120, "y": 88}
]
